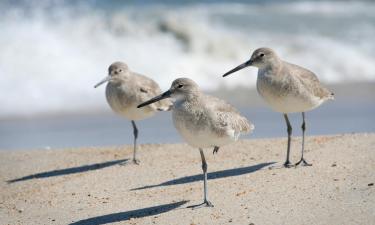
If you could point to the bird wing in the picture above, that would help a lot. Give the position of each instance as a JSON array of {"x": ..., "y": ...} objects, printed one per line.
[
  {"x": 227, "y": 116},
  {"x": 310, "y": 81},
  {"x": 148, "y": 89}
]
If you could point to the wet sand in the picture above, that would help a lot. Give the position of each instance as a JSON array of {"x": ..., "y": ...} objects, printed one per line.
[
  {"x": 246, "y": 184},
  {"x": 353, "y": 110}
]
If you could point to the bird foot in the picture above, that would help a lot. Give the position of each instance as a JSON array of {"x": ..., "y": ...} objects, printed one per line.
[
  {"x": 127, "y": 162},
  {"x": 302, "y": 162},
  {"x": 206, "y": 203},
  {"x": 216, "y": 150},
  {"x": 287, "y": 164},
  {"x": 136, "y": 161}
]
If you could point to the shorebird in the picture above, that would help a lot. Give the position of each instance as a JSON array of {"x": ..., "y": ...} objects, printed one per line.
[
  {"x": 287, "y": 88},
  {"x": 202, "y": 120},
  {"x": 125, "y": 90}
]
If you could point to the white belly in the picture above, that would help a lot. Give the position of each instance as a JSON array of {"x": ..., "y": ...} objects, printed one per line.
[
  {"x": 133, "y": 113},
  {"x": 126, "y": 105},
  {"x": 288, "y": 104},
  {"x": 199, "y": 134},
  {"x": 286, "y": 100}
]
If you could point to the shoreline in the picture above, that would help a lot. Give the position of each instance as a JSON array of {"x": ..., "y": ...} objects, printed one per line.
[
  {"x": 353, "y": 110},
  {"x": 111, "y": 130}
]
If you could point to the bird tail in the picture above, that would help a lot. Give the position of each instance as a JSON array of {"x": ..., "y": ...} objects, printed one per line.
[
  {"x": 246, "y": 126},
  {"x": 168, "y": 108},
  {"x": 166, "y": 105},
  {"x": 331, "y": 96}
]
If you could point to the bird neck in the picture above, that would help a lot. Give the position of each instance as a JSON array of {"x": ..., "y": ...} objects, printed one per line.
[
  {"x": 186, "y": 100},
  {"x": 271, "y": 68},
  {"x": 125, "y": 77}
]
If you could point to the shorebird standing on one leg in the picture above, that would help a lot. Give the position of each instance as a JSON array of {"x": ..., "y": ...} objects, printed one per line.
[
  {"x": 287, "y": 88},
  {"x": 125, "y": 90},
  {"x": 202, "y": 120}
]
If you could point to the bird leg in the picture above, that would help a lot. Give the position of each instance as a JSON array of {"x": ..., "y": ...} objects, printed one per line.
[
  {"x": 205, "y": 203},
  {"x": 302, "y": 160},
  {"x": 287, "y": 162},
  {"x": 135, "y": 132},
  {"x": 216, "y": 150}
]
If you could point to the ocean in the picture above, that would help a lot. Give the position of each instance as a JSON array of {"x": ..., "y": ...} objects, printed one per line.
[{"x": 53, "y": 52}]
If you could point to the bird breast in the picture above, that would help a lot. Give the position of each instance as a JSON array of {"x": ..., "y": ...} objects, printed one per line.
[
  {"x": 195, "y": 125},
  {"x": 285, "y": 94},
  {"x": 124, "y": 101}
]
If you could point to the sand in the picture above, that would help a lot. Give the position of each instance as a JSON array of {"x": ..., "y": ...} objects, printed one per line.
[{"x": 247, "y": 185}]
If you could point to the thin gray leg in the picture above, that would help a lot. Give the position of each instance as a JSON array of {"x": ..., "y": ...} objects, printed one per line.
[
  {"x": 204, "y": 168},
  {"x": 302, "y": 160},
  {"x": 287, "y": 162},
  {"x": 135, "y": 132},
  {"x": 216, "y": 150}
]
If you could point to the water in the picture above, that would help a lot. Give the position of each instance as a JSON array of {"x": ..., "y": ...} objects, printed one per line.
[
  {"x": 53, "y": 52},
  {"x": 335, "y": 117}
]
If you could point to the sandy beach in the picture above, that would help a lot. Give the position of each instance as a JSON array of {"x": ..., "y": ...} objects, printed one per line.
[
  {"x": 66, "y": 150},
  {"x": 246, "y": 184}
]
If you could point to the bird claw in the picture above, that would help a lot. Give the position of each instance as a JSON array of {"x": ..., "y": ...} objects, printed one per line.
[
  {"x": 287, "y": 164},
  {"x": 127, "y": 162},
  {"x": 304, "y": 163},
  {"x": 206, "y": 203},
  {"x": 136, "y": 161},
  {"x": 216, "y": 150}
]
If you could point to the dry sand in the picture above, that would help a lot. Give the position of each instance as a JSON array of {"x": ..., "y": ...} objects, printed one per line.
[{"x": 89, "y": 186}]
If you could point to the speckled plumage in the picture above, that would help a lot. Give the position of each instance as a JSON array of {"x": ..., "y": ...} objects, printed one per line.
[
  {"x": 203, "y": 120},
  {"x": 290, "y": 88},
  {"x": 287, "y": 88},
  {"x": 131, "y": 89},
  {"x": 126, "y": 89}
]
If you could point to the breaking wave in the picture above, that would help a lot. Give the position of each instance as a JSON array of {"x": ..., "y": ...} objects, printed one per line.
[{"x": 52, "y": 54}]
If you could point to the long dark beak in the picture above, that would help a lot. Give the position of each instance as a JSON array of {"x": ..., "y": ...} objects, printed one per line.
[
  {"x": 166, "y": 94},
  {"x": 102, "y": 81},
  {"x": 240, "y": 67}
]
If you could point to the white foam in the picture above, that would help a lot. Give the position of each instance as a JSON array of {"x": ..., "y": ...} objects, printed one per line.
[{"x": 50, "y": 60}]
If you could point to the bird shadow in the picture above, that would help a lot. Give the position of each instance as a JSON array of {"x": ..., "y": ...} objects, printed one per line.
[
  {"x": 212, "y": 175},
  {"x": 122, "y": 216},
  {"x": 71, "y": 170}
]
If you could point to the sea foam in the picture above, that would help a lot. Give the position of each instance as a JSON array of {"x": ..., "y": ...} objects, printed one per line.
[{"x": 52, "y": 54}]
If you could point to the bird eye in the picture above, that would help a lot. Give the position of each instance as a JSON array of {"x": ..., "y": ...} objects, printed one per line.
[
  {"x": 180, "y": 86},
  {"x": 120, "y": 70},
  {"x": 261, "y": 54}
]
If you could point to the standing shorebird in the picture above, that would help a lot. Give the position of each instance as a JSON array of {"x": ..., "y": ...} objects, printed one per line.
[
  {"x": 202, "y": 120},
  {"x": 287, "y": 88},
  {"x": 125, "y": 90}
]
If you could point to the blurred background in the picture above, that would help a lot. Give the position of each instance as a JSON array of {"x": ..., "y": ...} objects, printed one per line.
[{"x": 52, "y": 53}]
